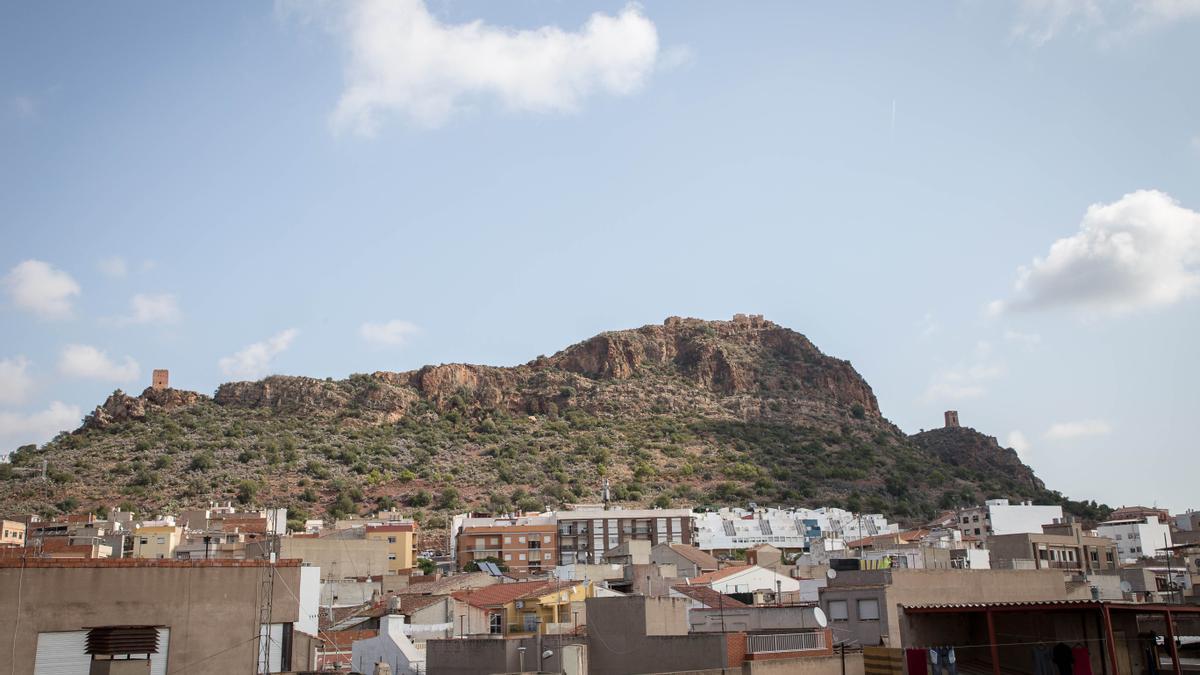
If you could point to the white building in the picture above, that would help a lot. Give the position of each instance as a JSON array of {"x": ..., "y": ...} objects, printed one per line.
[
  {"x": 790, "y": 530},
  {"x": 391, "y": 646},
  {"x": 1135, "y": 539},
  {"x": 746, "y": 579},
  {"x": 997, "y": 516}
]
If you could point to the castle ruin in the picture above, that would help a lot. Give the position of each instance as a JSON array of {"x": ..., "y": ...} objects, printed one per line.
[
  {"x": 951, "y": 419},
  {"x": 160, "y": 379}
]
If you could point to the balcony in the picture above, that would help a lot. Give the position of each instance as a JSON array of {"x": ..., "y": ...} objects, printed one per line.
[{"x": 774, "y": 643}]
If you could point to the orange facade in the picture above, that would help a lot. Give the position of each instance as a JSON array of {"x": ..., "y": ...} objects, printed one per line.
[{"x": 522, "y": 548}]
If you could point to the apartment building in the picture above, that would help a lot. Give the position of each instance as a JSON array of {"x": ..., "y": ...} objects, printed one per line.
[
  {"x": 523, "y": 544},
  {"x": 156, "y": 541},
  {"x": 584, "y": 536},
  {"x": 998, "y": 516},
  {"x": 1061, "y": 546},
  {"x": 12, "y": 533},
  {"x": 401, "y": 540},
  {"x": 1137, "y": 537}
]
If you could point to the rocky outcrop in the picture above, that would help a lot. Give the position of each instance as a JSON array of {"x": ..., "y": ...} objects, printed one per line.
[
  {"x": 118, "y": 407},
  {"x": 121, "y": 407},
  {"x": 169, "y": 399},
  {"x": 966, "y": 447},
  {"x": 280, "y": 392}
]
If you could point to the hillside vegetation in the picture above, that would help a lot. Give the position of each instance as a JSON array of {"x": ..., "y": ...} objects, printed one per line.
[{"x": 687, "y": 412}]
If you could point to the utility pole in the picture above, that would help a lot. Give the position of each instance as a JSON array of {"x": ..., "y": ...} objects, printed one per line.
[{"x": 266, "y": 597}]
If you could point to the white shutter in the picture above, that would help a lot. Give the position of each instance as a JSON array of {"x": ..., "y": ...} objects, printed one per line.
[
  {"x": 62, "y": 654},
  {"x": 158, "y": 662}
]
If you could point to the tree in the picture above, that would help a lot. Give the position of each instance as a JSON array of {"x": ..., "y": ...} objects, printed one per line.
[
  {"x": 448, "y": 499},
  {"x": 419, "y": 498},
  {"x": 246, "y": 491},
  {"x": 473, "y": 566},
  {"x": 426, "y": 565}
]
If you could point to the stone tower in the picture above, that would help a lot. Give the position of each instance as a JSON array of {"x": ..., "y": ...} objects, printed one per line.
[
  {"x": 161, "y": 379},
  {"x": 951, "y": 419}
]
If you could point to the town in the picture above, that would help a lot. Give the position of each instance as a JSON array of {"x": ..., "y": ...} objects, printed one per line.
[{"x": 998, "y": 587}]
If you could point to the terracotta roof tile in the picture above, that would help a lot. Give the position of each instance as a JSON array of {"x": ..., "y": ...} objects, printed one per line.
[
  {"x": 708, "y": 596},
  {"x": 701, "y": 559},
  {"x": 499, "y": 594}
]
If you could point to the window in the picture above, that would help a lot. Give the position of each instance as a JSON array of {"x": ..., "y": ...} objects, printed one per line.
[
  {"x": 495, "y": 624},
  {"x": 868, "y": 610},
  {"x": 521, "y": 557},
  {"x": 520, "y": 540},
  {"x": 977, "y": 530},
  {"x": 508, "y": 540},
  {"x": 545, "y": 556},
  {"x": 162, "y": 540},
  {"x": 1118, "y": 537},
  {"x": 966, "y": 519},
  {"x": 391, "y": 540},
  {"x": 546, "y": 539},
  {"x": 837, "y": 610},
  {"x": 144, "y": 540},
  {"x": 495, "y": 541},
  {"x": 508, "y": 556},
  {"x": 391, "y": 556}
]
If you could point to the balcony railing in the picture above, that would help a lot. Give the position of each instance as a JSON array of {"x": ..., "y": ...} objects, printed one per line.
[{"x": 785, "y": 642}]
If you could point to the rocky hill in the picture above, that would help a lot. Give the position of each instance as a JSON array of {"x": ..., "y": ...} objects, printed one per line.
[{"x": 689, "y": 411}]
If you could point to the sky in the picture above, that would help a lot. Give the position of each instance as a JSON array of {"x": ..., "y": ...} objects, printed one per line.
[{"x": 988, "y": 207}]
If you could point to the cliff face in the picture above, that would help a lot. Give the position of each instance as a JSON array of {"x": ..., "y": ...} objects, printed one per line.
[{"x": 688, "y": 411}]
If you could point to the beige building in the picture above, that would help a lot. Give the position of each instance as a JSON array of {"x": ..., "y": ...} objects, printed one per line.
[
  {"x": 1061, "y": 546},
  {"x": 401, "y": 540},
  {"x": 184, "y": 616},
  {"x": 12, "y": 533},
  {"x": 156, "y": 541},
  {"x": 341, "y": 555},
  {"x": 864, "y": 606}
]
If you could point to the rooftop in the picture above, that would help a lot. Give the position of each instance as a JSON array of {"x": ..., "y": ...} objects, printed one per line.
[{"x": 708, "y": 596}]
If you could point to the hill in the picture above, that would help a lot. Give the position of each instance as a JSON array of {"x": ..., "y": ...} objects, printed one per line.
[{"x": 690, "y": 411}]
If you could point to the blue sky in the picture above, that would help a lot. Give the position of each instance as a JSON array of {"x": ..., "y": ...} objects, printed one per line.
[{"x": 235, "y": 189}]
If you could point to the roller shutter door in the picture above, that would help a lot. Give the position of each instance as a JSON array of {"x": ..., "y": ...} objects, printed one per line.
[{"x": 62, "y": 654}]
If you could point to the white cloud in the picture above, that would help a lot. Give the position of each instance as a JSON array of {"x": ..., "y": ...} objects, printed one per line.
[
  {"x": 17, "y": 429},
  {"x": 40, "y": 288},
  {"x": 24, "y": 107},
  {"x": 1017, "y": 441},
  {"x": 1071, "y": 430},
  {"x": 114, "y": 267},
  {"x": 391, "y": 333},
  {"x": 404, "y": 60},
  {"x": 1040, "y": 21},
  {"x": 90, "y": 362},
  {"x": 255, "y": 360},
  {"x": 962, "y": 383},
  {"x": 153, "y": 308},
  {"x": 1140, "y": 251},
  {"x": 1027, "y": 340},
  {"x": 15, "y": 382}
]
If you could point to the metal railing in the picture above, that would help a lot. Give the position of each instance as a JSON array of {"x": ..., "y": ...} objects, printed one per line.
[{"x": 785, "y": 642}]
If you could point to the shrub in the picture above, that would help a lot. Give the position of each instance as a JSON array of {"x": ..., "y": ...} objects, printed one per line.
[{"x": 246, "y": 490}]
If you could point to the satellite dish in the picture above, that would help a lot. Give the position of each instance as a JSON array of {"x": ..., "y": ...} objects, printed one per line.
[
  {"x": 831, "y": 573},
  {"x": 1126, "y": 587},
  {"x": 820, "y": 617}
]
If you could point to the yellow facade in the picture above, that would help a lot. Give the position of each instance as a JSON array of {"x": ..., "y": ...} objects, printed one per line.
[
  {"x": 401, "y": 546},
  {"x": 12, "y": 533},
  {"x": 158, "y": 541},
  {"x": 541, "y": 612}
]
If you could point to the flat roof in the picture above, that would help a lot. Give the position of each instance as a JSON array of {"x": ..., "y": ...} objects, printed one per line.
[{"x": 139, "y": 562}]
